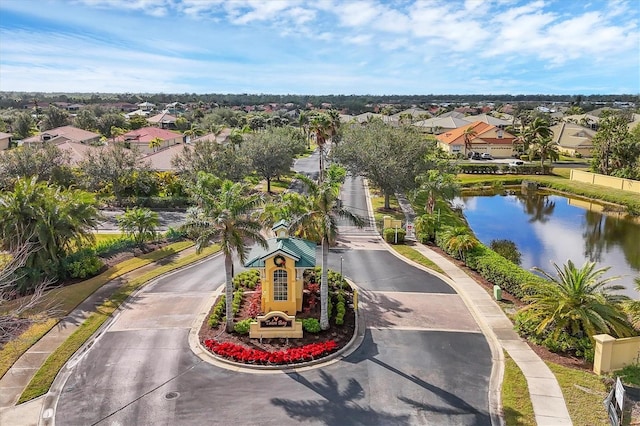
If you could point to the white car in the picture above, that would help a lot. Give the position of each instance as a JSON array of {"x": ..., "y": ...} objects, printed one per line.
[{"x": 516, "y": 163}]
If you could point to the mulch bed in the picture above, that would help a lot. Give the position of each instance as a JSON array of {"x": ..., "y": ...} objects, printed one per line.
[{"x": 341, "y": 334}]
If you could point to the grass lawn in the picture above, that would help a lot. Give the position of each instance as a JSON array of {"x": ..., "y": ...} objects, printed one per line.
[
  {"x": 379, "y": 211},
  {"x": 65, "y": 299},
  {"x": 583, "y": 392},
  {"x": 516, "y": 402},
  {"x": 43, "y": 379},
  {"x": 417, "y": 257},
  {"x": 101, "y": 238}
]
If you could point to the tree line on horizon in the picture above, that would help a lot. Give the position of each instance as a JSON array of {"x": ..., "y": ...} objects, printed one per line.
[{"x": 353, "y": 103}]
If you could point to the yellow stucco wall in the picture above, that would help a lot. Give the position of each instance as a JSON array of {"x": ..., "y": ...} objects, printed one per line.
[
  {"x": 608, "y": 181},
  {"x": 612, "y": 354},
  {"x": 295, "y": 287}
]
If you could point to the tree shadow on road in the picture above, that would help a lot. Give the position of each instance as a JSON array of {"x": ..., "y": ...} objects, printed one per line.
[
  {"x": 451, "y": 404},
  {"x": 336, "y": 407},
  {"x": 379, "y": 309}
]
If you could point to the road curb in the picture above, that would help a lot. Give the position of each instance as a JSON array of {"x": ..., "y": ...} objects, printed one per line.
[{"x": 206, "y": 355}]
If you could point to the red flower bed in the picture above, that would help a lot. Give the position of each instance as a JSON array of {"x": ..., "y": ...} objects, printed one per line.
[{"x": 257, "y": 356}]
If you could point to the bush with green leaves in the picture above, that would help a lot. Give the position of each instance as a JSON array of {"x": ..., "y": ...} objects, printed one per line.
[
  {"x": 217, "y": 315},
  {"x": 580, "y": 346},
  {"x": 390, "y": 235},
  {"x": 507, "y": 249},
  {"x": 243, "y": 327},
  {"x": 237, "y": 300},
  {"x": 311, "y": 325},
  {"x": 341, "y": 308},
  {"x": 249, "y": 279},
  {"x": 108, "y": 247},
  {"x": 83, "y": 263},
  {"x": 139, "y": 223},
  {"x": 174, "y": 234}
]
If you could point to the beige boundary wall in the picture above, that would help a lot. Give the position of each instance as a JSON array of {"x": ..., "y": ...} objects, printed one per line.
[
  {"x": 613, "y": 354},
  {"x": 603, "y": 180}
]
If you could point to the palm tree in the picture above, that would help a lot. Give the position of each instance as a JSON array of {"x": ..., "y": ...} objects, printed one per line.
[
  {"x": 459, "y": 240},
  {"x": 633, "y": 306},
  {"x": 303, "y": 122},
  {"x": 545, "y": 148},
  {"x": 155, "y": 143},
  {"x": 193, "y": 131},
  {"x": 320, "y": 220},
  {"x": 579, "y": 302},
  {"x": 469, "y": 133},
  {"x": 321, "y": 127},
  {"x": 139, "y": 223},
  {"x": 436, "y": 184},
  {"x": 225, "y": 213},
  {"x": 538, "y": 129}
]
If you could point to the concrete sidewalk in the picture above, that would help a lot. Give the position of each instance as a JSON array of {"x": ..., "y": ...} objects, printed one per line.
[
  {"x": 546, "y": 396},
  {"x": 13, "y": 383}
]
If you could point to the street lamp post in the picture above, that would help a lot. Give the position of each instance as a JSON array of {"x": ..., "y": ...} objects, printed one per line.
[{"x": 341, "y": 261}]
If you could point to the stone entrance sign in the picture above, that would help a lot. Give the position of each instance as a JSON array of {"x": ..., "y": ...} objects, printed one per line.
[{"x": 275, "y": 324}]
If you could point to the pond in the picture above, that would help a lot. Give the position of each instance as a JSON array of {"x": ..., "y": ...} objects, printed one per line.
[{"x": 551, "y": 228}]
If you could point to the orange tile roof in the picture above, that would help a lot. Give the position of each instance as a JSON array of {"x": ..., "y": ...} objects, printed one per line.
[{"x": 456, "y": 136}]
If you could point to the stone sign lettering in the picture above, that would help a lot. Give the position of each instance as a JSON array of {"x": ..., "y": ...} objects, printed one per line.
[{"x": 275, "y": 321}]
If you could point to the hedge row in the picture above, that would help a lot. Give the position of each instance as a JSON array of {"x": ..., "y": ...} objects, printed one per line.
[
  {"x": 503, "y": 168},
  {"x": 149, "y": 202}
]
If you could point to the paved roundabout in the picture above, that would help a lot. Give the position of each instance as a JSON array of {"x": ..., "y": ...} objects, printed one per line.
[{"x": 420, "y": 358}]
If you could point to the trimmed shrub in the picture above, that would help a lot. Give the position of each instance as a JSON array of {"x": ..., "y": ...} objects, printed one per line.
[
  {"x": 218, "y": 312},
  {"x": 390, "y": 235},
  {"x": 83, "y": 263},
  {"x": 242, "y": 327},
  {"x": 341, "y": 309},
  {"x": 311, "y": 325},
  {"x": 247, "y": 279}
]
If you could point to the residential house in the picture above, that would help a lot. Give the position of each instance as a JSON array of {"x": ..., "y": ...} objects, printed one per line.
[
  {"x": 5, "y": 140},
  {"x": 368, "y": 116},
  {"x": 164, "y": 120},
  {"x": 77, "y": 151},
  {"x": 161, "y": 160},
  {"x": 175, "y": 108},
  {"x": 417, "y": 114},
  {"x": 63, "y": 134},
  {"x": 573, "y": 139},
  {"x": 223, "y": 137},
  {"x": 146, "y": 106},
  {"x": 437, "y": 125},
  {"x": 486, "y": 138},
  {"x": 489, "y": 119},
  {"x": 142, "y": 137}
]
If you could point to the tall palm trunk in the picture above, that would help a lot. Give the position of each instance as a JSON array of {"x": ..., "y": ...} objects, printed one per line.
[
  {"x": 324, "y": 286},
  {"x": 228, "y": 271}
]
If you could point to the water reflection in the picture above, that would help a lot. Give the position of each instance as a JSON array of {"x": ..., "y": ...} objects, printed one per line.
[{"x": 552, "y": 228}]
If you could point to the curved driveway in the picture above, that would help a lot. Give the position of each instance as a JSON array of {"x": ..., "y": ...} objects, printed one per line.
[{"x": 423, "y": 359}]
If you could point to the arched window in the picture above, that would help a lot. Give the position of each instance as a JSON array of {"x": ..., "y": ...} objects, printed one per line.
[{"x": 280, "y": 285}]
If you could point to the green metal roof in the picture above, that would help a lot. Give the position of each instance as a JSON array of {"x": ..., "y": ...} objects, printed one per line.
[{"x": 302, "y": 251}]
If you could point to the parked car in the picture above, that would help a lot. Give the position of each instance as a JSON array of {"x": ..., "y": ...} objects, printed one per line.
[
  {"x": 486, "y": 156},
  {"x": 516, "y": 163},
  {"x": 474, "y": 155}
]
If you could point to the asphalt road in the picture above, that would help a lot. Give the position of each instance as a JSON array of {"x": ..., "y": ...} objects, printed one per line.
[{"x": 423, "y": 359}]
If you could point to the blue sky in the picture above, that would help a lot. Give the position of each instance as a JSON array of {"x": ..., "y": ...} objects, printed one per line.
[{"x": 321, "y": 47}]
